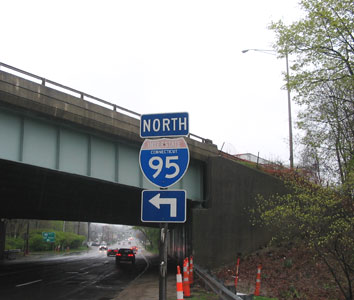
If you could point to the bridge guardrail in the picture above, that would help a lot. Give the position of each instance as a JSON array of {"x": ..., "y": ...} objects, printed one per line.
[
  {"x": 81, "y": 94},
  {"x": 11, "y": 254},
  {"x": 85, "y": 96},
  {"x": 216, "y": 286}
]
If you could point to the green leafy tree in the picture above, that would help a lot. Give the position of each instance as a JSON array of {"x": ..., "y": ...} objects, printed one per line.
[
  {"x": 321, "y": 46},
  {"x": 320, "y": 217},
  {"x": 152, "y": 235}
]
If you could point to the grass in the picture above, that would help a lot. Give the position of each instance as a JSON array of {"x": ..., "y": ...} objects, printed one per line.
[{"x": 264, "y": 298}]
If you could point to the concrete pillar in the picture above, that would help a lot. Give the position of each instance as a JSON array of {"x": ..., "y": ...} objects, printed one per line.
[
  {"x": 88, "y": 232},
  {"x": 26, "y": 251},
  {"x": 2, "y": 238}
]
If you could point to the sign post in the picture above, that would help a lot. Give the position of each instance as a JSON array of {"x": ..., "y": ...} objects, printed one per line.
[
  {"x": 163, "y": 261},
  {"x": 164, "y": 162}
]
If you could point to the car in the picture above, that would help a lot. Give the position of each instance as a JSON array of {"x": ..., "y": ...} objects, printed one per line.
[
  {"x": 102, "y": 247},
  {"x": 135, "y": 249},
  {"x": 126, "y": 255},
  {"x": 112, "y": 252}
]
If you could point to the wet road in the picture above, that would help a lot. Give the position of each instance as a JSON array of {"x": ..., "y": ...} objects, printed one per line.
[{"x": 87, "y": 276}]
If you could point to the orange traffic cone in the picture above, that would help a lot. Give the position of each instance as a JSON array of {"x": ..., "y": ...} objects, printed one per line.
[
  {"x": 186, "y": 286},
  {"x": 179, "y": 284},
  {"x": 258, "y": 281},
  {"x": 191, "y": 279}
]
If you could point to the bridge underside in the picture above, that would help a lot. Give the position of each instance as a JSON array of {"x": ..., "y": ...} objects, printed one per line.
[{"x": 29, "y": 192}]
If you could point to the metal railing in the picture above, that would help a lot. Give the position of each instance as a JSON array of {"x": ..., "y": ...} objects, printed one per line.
[
  {"x": 82, "y": 95},
  {"x": 215, "y": 286},
  {"x": 85, "y": 96}
]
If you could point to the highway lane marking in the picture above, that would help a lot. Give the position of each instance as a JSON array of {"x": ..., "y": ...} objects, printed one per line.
[
  {"x": 76, "y": 273},
  {"x": 88, "y": 283},
  {"x": 90, "y": 266},
  {"x": 147, "y": 267},
  {"x": 28, "y": 283}
]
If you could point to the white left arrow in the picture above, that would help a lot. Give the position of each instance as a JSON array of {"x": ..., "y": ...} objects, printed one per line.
[{"x": 157, "y": 201}]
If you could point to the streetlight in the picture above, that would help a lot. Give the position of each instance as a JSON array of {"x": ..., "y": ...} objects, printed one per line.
[{"x": 272, "y": 52}]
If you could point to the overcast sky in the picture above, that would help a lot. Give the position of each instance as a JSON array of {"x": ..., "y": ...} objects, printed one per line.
[{"x": 164, "y": 56}]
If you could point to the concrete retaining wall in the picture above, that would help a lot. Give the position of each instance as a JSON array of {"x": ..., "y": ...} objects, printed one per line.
[{"x": 225, "y": 229}]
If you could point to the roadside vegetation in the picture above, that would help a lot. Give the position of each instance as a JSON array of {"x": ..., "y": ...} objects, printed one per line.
[
  {"x": 63, "y": 241},
  {"x": 316, "y": 217},
  {"x": 311, "y": 254},
  {"x": 17, "y": 229},
  {"x": 151, "y": 236}
]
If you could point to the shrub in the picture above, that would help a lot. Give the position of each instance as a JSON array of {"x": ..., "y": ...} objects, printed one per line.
[
  {"x": 64, "y": 239},
  {"x": 14, "y": 243},
  {"x": 36, "y": 242}
]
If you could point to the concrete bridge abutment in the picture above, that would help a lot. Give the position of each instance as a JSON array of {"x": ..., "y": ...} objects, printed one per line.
[{"x": 225, "y": 228}]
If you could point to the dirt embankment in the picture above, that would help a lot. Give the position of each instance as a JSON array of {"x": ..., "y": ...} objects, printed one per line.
[{"x": 286, "y": 274}]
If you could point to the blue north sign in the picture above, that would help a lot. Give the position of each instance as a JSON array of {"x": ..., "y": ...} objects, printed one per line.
[
  {"x": 168, "y": 206},
  {"x": 164, "y": 125},
  {"x": 164, "y": 161}
]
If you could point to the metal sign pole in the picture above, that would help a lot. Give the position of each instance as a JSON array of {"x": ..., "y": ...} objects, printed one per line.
[
  {"x": 163, "y": 262},
  {"x": 164, "y": 168}
]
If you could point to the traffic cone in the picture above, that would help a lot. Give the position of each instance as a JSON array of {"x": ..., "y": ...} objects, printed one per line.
[
  {"x": 191, "y": 279},
  {"x": 236, "y": 276},
  {"x": 258, "y": 281},
  {"x": 179, "y": 284},
  {"x": 186, "y": 286}
]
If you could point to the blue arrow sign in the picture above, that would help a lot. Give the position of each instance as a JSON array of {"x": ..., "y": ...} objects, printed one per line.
[
  {"x": 164, "y": 161},
  {"x": 167, "y": 206},
  {"x": 162, "y": 125}
]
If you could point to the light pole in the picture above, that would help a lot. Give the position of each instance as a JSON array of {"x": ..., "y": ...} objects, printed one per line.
[{"x": 272, "y": 52}]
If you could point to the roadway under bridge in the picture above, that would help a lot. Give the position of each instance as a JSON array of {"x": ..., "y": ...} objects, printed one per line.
[{"x": 63, "y": 157}]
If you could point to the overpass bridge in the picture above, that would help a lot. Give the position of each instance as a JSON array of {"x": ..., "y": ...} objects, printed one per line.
[{"x": 67, "y": 155}]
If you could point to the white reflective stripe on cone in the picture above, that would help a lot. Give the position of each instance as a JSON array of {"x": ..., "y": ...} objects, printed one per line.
[{"x": 179, "y": 295}]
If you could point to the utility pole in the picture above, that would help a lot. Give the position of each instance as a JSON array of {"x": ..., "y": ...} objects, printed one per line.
[
  {"x": 272, "y": 52},
  {"x": 289, "y": 114}
]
